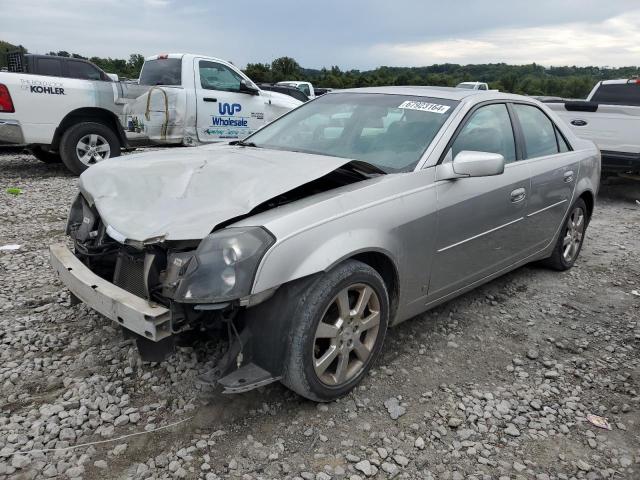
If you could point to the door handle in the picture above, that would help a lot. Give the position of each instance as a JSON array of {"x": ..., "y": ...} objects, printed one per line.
[
  {"x": 209, "y": 99},
  {"x": 568, "y": 176},
  {"x": 518, "y": 195}
]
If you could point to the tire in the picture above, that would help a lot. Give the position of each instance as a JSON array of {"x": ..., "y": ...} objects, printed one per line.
[
  {"x": 101, "y": 142},
  {"x": 559, "y": 260},
  {"x": 45, "y": 156},
  {"x": 320, "y": 302}
]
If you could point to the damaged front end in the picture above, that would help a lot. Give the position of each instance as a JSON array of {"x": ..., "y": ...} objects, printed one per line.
[
  {"x": 176, "y": 275},
  {"x": 156, "y": 289}
]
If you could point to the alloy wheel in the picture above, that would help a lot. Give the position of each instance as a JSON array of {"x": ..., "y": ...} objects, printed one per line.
[
  {"x": 573, "y": 235},
  {"x": 92, "y": 148},
  {"x": 346, "y": 335}
]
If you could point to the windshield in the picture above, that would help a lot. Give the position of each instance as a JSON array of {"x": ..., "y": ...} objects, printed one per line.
[
  {"x": 469, "y": 86},
  {"x": 388, "y": 131},
  {"x": 163, "y": 71}
]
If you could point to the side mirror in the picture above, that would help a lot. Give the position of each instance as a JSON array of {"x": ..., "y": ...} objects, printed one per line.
[
  {"x": 246, "y": 88},
  {"x": 472, "y": 164}
]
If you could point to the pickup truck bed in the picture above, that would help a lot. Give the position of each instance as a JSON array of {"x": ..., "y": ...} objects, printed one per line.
[
  {"x": 614, "y": 128},
  {"x": 610, "y": 117}
]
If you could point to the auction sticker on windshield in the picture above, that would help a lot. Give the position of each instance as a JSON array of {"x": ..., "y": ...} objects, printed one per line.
[{"x": 424, "y": 107}]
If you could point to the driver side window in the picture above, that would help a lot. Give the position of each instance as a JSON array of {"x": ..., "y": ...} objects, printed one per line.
[
  {"x": 216, "y": 76},
  {"x": 488, "y": 130}
]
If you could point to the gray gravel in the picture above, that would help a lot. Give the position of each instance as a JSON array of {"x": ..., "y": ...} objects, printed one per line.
[{"x": 494, "y": 385}]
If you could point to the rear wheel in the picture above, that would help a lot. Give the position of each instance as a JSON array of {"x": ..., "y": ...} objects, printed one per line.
[
  {"x": 339, "y": 330},
  {"x": 86, "y": 144},
  {"x": 569, "y": 243},
  {"x": 46, "y": 156}
]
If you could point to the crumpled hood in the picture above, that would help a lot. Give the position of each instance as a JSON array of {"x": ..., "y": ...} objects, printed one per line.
[{"x": 183, "y": 193}]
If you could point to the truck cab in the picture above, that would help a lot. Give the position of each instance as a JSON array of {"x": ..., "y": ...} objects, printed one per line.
[{"x": 193, "y": 99}]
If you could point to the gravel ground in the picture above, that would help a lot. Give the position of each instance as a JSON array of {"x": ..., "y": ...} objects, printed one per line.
[{"x": 496, "y": 384}]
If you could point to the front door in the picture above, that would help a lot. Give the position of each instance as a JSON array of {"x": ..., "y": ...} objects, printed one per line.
[
  {"x": 481, "y": 227},
  {"x": 223, "y": 111}
]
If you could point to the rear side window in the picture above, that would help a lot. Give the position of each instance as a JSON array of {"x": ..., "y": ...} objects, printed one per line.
[
  {"x": 162, "y": 71},
  {"x": 538, "y": 131},
  {"x": 618, "y": 94},
  {"x": 49, "y": 66},
  {"x": 83, "y": 71},
  {"x": 488, "y": 130}
]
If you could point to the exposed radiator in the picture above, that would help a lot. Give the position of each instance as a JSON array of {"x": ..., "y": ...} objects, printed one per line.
[{"x": 129, "y": 274}]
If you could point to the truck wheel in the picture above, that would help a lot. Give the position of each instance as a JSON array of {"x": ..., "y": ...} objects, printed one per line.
[
  {"x": 46, "y": 156},
  {"x": 569, "y": 243},
  {"x": 86, "y": 144},
  {"x": 338, "y": 331}
]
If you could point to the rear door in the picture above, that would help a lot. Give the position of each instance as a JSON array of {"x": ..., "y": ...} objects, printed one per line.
[
  {"x": 481, "y": 226},
  {"x": 554, "y": 170},
  {"x": 223, "y": 111}
]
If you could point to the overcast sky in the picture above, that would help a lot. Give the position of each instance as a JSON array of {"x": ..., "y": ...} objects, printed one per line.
[{"x": 359, "y": 34}]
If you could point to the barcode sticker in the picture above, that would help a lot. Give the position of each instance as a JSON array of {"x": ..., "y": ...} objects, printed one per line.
[{"x": 424, "y": 107}]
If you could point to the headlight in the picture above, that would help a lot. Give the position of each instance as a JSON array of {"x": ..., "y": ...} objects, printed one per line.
[{"x": 223, "y": 266}]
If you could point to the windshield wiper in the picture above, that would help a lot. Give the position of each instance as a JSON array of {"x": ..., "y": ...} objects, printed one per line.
[
  {"x": 365, "y": 168},
  {"x": 242, "y": 143}
]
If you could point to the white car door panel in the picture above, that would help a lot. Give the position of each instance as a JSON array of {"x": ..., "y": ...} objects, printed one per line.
[{"x": 223, "y": 111}]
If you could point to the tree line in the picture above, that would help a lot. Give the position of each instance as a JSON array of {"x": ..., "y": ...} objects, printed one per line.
[{"x": 533, "y": 79}]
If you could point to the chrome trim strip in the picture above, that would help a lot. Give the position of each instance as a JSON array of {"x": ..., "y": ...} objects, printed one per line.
[
  {"x": 547, "y": 208},
  {"x": 481, "y": 234}
]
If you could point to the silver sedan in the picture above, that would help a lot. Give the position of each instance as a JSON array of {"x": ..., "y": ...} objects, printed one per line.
[{"x": 304, "y": 242}]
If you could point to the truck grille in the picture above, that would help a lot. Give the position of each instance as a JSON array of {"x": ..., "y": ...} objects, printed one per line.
[{"x": 129, "y": 274}]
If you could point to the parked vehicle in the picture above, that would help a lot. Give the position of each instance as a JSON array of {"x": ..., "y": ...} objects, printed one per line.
[
  {"x": 54, "y": 66},
  {"x": 306, "y": 240},
  {"x": 180, "y": 99},
  {"x": 610, "y": 117},
  {"x": 473, "y": 85},
  {"x": 291, "y": 91},
  {"x": 304, "y": 87}
]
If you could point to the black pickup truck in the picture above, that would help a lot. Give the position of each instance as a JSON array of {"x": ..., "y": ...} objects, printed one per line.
[{"x": 55, "y": 66}]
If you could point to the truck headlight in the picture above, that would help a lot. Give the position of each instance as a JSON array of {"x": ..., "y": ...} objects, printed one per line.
[{"x": 222, "y": 267}]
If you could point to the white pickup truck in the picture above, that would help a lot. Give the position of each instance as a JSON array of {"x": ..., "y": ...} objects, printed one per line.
[
  {"x": 179, "y": 99},
  {"x": 610, "y": 117},
  {"x": 304, "y": 87},
  {"x": 473, "y": 85}
]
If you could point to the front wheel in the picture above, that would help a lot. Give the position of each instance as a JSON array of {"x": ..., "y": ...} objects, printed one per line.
[
  {"x": 338, "y": 332},
  {"x": 569, "y": 244},
  {"x": 86, "y": 144}
]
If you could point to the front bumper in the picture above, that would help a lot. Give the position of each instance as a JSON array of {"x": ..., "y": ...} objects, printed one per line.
[
  {"x": 11, "y": 132},
  {"x": 149, "y": 320}
]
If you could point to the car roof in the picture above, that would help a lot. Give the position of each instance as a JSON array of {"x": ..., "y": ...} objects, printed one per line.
[{"x": 449, "y": 93}]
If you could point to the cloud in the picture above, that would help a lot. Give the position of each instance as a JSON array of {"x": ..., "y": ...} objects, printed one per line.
[
  {"x": 157, "y": 3},
  {"x": 351, "y": 34},
  {"x": 612, "y": 42}
]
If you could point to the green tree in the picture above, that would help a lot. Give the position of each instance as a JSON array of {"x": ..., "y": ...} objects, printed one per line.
[
  {"x": 285, "y": 68},
  {"x": 259, "y": 72}
]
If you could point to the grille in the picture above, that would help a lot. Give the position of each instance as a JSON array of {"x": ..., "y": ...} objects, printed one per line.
[{"x": 129, "y": 274}]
